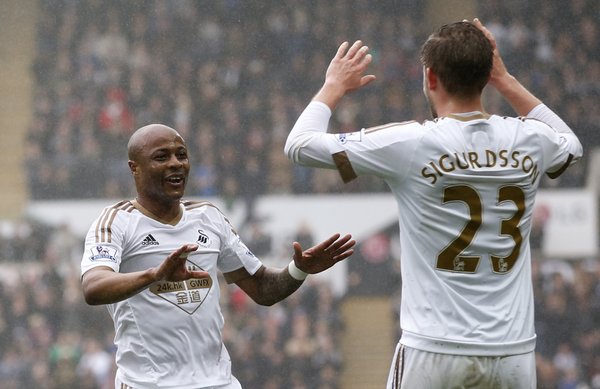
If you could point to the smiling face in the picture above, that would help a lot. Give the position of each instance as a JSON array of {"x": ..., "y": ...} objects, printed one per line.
[{"x": 159, "y": 162}]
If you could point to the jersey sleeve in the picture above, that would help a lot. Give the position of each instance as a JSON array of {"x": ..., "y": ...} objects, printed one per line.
[
  {"x": 561, "y": 146},
  {"x": 104, "y": 242},
  {"x": 561, "y": 149},
  {"x": 308, "y": 143},
  {"x": 368, "y": 151},
  {"x": 234, "y": 253}
]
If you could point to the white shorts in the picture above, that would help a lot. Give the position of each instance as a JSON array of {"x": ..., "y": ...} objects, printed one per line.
[
  {"x": 234, "y": 384},
  {"x": 413, "y": 368}
]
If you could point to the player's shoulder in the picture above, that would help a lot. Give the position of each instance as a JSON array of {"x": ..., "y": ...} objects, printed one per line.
[
  {"x": 535, "y": 122},
  {"x": 521, "y": 124},
  {"x": 396, "y": 131},
  {"x": 198, "y": 204},
  {"x": 536, "y": 127},
  {"x": 112, "y": 218},
  {"x": 201, "y": 207},
  {"x": 394, "y": 126},
  {"x": 122, "y": 207},
  {"x": 529, "y": 121},
  {"x": 207, "y": 211}
]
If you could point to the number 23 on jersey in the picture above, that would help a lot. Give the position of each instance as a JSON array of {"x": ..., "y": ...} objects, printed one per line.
[{"x": 452, "y": 257}]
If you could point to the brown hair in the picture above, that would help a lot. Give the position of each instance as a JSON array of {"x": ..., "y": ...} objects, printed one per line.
[{"x": 461, "y": 57}]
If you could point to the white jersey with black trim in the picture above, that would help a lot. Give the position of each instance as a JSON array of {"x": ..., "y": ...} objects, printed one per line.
[
  {"x": 465, "y": 188},
  {"x": 168, "y": 335}
]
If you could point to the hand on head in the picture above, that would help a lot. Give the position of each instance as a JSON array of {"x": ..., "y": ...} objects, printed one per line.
[{"x": 499, "y": 70}]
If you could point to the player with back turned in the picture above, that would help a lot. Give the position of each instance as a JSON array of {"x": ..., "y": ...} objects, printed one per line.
[{"x": 465, "y": 184}]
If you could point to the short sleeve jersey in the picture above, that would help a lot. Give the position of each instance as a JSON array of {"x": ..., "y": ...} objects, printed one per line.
[
  {"x": 168, "y": 335},
  {"x": 465, "y": 188}
]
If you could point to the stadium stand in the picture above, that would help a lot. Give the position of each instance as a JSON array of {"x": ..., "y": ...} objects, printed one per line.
[
  {"x": 233, "y": 82},
  {"x": 236, "y": 78}
]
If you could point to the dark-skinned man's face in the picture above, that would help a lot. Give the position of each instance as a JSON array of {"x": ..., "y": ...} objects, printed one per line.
[{"x": 162, "y": 166}]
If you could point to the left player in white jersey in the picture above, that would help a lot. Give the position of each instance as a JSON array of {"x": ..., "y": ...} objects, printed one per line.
[
  {"x": 465, "y": 185},
  {"x": 154, "y": 261}
]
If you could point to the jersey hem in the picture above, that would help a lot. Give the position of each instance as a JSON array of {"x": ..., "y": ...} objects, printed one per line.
[
  {"x": 196, "y": 385},
  {"x": 484, "y": 349}
]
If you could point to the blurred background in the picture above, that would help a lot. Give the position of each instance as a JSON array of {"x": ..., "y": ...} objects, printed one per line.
[{"x": 78, "y": 76}]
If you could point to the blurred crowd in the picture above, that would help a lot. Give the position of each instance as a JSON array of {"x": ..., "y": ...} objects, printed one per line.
[
  {"x": 567, "y": 308},
  {"x": 232, "y": 76}
]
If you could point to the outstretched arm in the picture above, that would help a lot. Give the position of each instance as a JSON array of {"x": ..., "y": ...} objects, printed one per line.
[
  {"x": 344, "y": 74},
  {"x": 269, "y": 286},
  {"x": 102, "y": 285}
]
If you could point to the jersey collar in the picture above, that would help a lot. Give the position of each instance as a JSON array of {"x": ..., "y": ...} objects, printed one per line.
[
  {"x": 149, "y": 214},
  {"x": 467, "y": 116}
]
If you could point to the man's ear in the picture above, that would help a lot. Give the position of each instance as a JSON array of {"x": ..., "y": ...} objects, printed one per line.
[
  {"x": 133, "y": 167},
  {"x": 431, "y": 79}
]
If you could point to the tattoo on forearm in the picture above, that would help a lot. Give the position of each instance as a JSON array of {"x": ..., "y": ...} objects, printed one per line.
[{"x": 276, "y": 285}]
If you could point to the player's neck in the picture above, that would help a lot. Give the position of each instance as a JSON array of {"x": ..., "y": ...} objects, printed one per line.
[
  {"x": 165, "y": 213},
  {"x": 453, "y": 106}
]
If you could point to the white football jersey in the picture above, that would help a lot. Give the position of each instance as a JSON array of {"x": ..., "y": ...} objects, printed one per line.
[
  {"x": 168, "y": 335},
  {"x": 465, "y": 188}
]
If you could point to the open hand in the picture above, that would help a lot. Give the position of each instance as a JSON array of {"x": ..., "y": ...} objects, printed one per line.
[
  {"x": 345, "y": 73},
  {"x": 174, "y": 266},
  {"x": 324, "y": 255},
  {"x": 347, "y": 68}
]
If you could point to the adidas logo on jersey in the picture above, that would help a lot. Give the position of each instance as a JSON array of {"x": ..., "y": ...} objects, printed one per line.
[{"x": 149, "y": 241}]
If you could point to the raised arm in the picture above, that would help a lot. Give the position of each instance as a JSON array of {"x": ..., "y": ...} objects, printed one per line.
[
  {"x": 509, "y": 87},
  {"x": 521, "y": 99},
  {"x": 344, "y": 75},
  {"x": 269, "y": 286},
  {"x": 102, "y": 285}
]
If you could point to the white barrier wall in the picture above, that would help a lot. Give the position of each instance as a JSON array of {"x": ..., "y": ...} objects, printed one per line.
[
  {"x": 571, "y": 228},
  {"x": 570, "y": 221}
]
